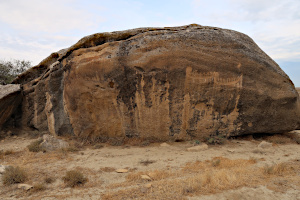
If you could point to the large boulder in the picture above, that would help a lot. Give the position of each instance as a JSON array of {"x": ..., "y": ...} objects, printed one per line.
[
  {"x": 10, "y": 99},
  {"x": 172, "y": 83}
]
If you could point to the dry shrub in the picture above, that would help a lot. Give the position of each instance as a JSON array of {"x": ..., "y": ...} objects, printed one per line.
[
  {"x": 147, "y": 162},
  {"x": 13, "y": 175},
  {"x": 108, "y": 169},
  {"x": 49, "y": 179},
  {"x": 5, "y": 153},
  {"x": 98, "y": 146},
  {"x": 276, "y": 169},
  {"x": 38, "y": 188},
  {"x": 154, "y": 175},
  {"x": 279, "y": 139},
  {"x": 35, "y": 146},
  {"x": 74, "y": 178}
]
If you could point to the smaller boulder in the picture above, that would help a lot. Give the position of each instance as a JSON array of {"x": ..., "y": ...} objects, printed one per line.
[
  {"x": 24, "y": 186},
  {"x": 2, "y": 169},
  {"x": 200, "y": 147},
  {"x": 264, "y": 145},
  {"x": 51, "y": 143}
]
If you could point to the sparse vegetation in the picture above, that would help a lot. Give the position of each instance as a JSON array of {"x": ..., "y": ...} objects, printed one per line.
[
  {"x": 35, "y": 146},
  {"x": 74, "y": 178},
  {"x": 13, "y": 175},
  {"x": 204, "y": 178}
]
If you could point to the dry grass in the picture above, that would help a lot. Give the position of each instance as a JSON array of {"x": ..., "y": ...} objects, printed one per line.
[
  {"x": 208, "y": 177},
  {"x": 13, "y": 175},
  {"x": 155, "y": 175},
  {"x": 6, "y": 153},
  {"x": 74, "y": 178}
]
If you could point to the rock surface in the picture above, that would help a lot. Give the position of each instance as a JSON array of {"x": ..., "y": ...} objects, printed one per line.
[
  {"x": 10, "y": 99},
  {"x": 172, "y": 83}
]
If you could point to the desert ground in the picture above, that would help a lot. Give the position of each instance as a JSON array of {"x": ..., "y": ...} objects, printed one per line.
[{"x": 241, "y": 168}]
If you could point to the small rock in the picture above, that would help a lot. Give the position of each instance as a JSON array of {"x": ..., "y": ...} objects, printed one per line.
[
  {"x": 265, "y": 145},
  {"x": 231, "y": 151},
  {"x": 146, "y": 177},
  {"x": 151, "y": 174},
  {"x": 15, "y": 136},
  {"x": 52, "y": 143},
  {"x": 164, "y": 145},
  {"x": 149, "y": 185},
  {"x": 200, "y": 147},
  {"x": 2, "y": 169},
  {"x": 24, "y": 186},
  {"x": 122, "y": 170}
]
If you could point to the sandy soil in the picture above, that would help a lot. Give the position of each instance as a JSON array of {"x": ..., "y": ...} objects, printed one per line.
[{"x": 100, "y": 165}]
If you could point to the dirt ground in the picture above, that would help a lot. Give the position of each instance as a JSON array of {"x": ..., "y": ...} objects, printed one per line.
[{"x": 238, "y": 169}]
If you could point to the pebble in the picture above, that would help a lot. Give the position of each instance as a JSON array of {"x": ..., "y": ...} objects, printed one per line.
[
  {"x": 146, "y": 177},
  {"x": 122, "y": 170},
  {"x": 24, "y": 186},
  {"x": 164, "y": 145}
]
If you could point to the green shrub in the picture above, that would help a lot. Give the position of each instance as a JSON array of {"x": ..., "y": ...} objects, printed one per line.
[
  {"x": 74, "y": 178},
  {"x": 13, "y": 175},
  {"x": 215, "y": 139}
]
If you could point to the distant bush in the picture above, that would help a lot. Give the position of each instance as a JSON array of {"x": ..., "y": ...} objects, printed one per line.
[
  {"x": 13, "y": 175},
  {"x": 74, "y": 178},
  {"x": 11, "y": 69}
]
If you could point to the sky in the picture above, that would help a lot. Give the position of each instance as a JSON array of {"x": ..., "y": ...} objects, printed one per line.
[{"x": 33, "y": 29}]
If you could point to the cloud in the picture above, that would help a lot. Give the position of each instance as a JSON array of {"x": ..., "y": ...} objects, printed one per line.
[
  {"x": 273, "y": 24},
  {"x": 46, "y": 16}
]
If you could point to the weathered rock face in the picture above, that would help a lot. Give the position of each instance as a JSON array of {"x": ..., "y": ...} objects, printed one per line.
[
  {"x": 166, "y": 83},
  {"x": 10, "y": 99}
]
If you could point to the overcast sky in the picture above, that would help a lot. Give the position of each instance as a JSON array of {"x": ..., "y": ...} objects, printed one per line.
[{"x": 33, "y": 29}]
